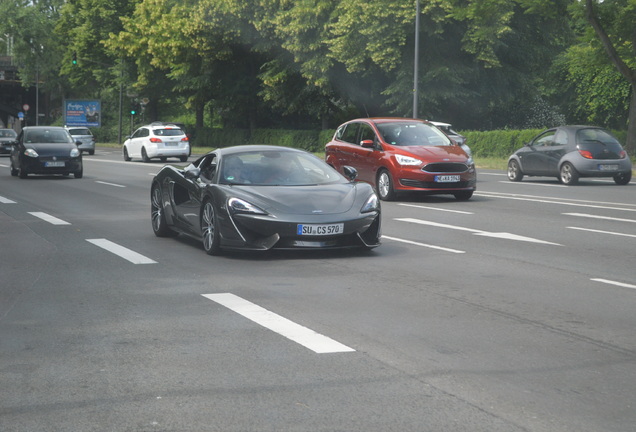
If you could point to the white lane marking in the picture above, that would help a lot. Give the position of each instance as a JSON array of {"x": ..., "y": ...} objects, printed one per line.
[
  {"x": 600, "y": 217},
  {"x": 121, "y": 251},
  {"x": 424, "y": 245},
  {"x": 50, "y": 219},
  {"x": 501, "y": 235},
  {"x": 109, "y": 184},
  {"x": 610, "y": 282},
  {"x": 492, "y": 174},
  {"x": 4, "y": 200},
  {"x": 289, "y": 329},
  {"x": 533, "y": 184},
  {"x": 603, "y": 232},
  {"x": 435, "y": 208},
  {"x": 561, "y": 201},
  {"x": 510, "y": 236}
]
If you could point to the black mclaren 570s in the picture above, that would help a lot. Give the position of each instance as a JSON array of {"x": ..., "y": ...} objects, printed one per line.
[{"x": 258, "y": 197}]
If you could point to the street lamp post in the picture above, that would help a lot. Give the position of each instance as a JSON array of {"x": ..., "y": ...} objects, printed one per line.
[{"x": 417, "y": 58}]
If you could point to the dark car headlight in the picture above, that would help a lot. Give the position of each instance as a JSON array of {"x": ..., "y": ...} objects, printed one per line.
[
  {"x": 31, "y": 153},
  {"x": 371, "y": 204},
  {"x": 75, "y": 153},
  {"x": 236, "y": 205}
]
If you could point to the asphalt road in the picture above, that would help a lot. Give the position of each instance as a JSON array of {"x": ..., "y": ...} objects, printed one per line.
[{"x": 514, "y": 311}]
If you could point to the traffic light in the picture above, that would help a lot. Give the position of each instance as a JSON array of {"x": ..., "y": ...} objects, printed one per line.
[
  {"x": 134, "y": 108},
  {"x": 74, "y": 61}
]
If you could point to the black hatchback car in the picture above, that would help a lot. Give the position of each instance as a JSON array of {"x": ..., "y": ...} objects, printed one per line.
[
  {"x": 571, "y": 152},
  {"x": 45, "y": 150},
  {"x": 7, "y": 136}
]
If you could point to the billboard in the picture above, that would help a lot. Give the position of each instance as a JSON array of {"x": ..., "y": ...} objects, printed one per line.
[{"x": 82, "y": 112}]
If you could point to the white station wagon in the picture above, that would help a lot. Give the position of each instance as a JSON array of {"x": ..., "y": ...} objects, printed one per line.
[{"x": 157, "y": 140}]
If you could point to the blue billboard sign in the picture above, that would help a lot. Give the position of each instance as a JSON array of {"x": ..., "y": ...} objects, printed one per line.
[{"x": 82, "y": 113}]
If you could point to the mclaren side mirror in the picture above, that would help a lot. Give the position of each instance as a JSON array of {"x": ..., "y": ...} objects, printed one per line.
[
  {"x": 192, "y": 173},
  {"x": 350, "y": 172}
]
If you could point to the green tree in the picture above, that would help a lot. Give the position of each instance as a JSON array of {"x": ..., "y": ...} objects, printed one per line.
[
  {"x": 612, "y": 33},
  {"x": 36, "y": 49}
]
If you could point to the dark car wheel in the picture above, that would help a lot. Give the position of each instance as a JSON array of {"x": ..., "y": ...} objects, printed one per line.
[
  {"x": 385, "y": 186},
  {"x": 126, "y": 156},
  {"x": 158, "y": 218},
  {"x": 23, "y": 172},
  {"x": 622, "y": 178},
  {"x": 210, "y": 229},
  {"x": 568, "y": 174},
  {"x": 514, "y": 171},
  {"x": 144, "y": 155},
  {"x": 91, "y": 152},
  {"x": 79, "y": 173},
  {"x": 463, "y": 195},
  {"x": 183, "y": 158}
]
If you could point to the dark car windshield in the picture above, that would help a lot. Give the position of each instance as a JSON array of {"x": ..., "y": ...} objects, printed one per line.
[
  {"x": 7, "y": 133},
  {"x": 412, "y": 134},
  {"x": 47, "y": 136},
  {"x": 273, "y": 167}
]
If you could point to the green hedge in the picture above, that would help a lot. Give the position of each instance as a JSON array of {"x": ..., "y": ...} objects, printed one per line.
[
  {"x": 495, "y": 144},
  {"x": 498, "y": 143},
  {"x": 310, "y": 140}
]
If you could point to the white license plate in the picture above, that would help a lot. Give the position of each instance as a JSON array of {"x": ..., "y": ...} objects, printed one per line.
[
  {"x": 446, "y": 178},
  {"x": 318, "y": 230},
  {"x": 55, "y": 164},
  {"x": 608, "y": 167}
]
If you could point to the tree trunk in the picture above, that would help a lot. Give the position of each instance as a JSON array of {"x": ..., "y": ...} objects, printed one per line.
[
  {"x": 623, "y": 69},
  {"x": 630, "y": 142}
]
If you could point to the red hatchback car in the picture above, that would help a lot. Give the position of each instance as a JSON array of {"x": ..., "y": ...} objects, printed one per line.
[{"x": 398, "y": 154}]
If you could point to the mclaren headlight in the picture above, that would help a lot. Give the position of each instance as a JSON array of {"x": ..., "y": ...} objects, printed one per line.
[
  {"x": 371, "y": 204},
  {"x": 237, "y": 205}
]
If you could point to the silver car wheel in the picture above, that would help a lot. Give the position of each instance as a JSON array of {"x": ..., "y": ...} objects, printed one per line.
[
  {"x": 209, "y": 229},
  {"x": 569, "y": 175},
  {"x": 157, "y": 216},
  {"x": 514, "y": 171},
  {"x": 385, "y": 186},
  {"x": 156, "y": 213}
]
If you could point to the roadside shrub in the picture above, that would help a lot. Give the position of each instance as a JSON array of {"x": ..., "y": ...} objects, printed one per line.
[{"x": 498, "y": 143}]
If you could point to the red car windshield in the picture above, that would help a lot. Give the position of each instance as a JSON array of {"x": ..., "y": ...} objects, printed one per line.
[{"x": 412, "y": 134}]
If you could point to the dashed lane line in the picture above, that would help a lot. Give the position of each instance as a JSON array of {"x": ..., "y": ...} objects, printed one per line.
[
  {"x": 435, "y": 208},
  {"x": 445, "y": 249},
  {"x": 109, "y": 184},
  {"x": 611, "y": 282},
  {"x": 121, "y": 251},
  {"x": 591, "y": 216},
  {"x": 302, "y": 335},
  {"x": 48, "y": 218},
  {"x": 603, "y": 232}
]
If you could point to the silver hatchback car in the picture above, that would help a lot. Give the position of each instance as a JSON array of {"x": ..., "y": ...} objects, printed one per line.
[
  {"x": 571, "y": 152},
  {"x": 83, "y": 135}
]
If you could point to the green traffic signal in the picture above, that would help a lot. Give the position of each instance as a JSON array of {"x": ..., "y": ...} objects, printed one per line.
[{"x": 74, "y": 58}]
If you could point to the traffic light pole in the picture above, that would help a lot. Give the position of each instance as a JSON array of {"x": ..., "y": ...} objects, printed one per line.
[{"x": 121, "y": 89}]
